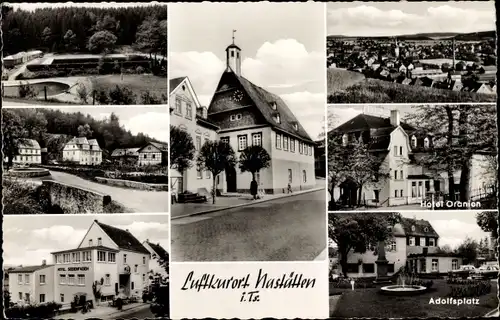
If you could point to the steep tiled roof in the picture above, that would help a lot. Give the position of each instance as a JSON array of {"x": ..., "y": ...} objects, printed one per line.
[
  {"x": 173, "y": 83},
  {"x": 125, "y": 152},
  {"x": 29, "y": 269},
  {"x": 124, "y": 239},
  {"x": 161, "y": 146},
  {"x": 422, "y": 227},
  {"x": 363, "y": 122},
  {"x": 29, "y": 144},
  {"x": 162, "y": 253}
]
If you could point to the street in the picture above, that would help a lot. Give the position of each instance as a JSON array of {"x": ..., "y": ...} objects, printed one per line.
[
  {"x": 141, "y": 313},
  {"x": 134, "y": 200},
  {"x": 284, "y": 229}
]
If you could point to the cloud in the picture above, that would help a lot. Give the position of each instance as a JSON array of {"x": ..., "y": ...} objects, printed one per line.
[
  {"x": 154, "y": 124},
  {"x": 59, "y": 234},
  {"x": 453, "y": 232},
  {"x": 367, "y": 19},
  {"x": 309, "y": 108},
  {"x": 340, "y": 115}
]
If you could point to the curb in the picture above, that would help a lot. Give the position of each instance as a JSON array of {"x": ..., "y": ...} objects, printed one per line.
[
  {"x": 129, "y": 309},
  {"x": 244, "y": 204},
  {"x": 322, "y": 255}
]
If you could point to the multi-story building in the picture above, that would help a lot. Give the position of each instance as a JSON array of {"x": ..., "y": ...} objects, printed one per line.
[
  {"x": 29, "y": 151},
  {"x": 250, "y": 115},
  {"x": 414, "y": 245},
  {"x": 153, "y": 153},
  {"x": 401, "y": 179},
  {"x": 158, "y": 253},
  {"x": 83, "y": 151},
  {"x": 187, "y": 114},
  {"x": 31, "y": 284}
]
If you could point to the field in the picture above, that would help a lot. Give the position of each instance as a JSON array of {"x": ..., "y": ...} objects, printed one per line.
[
  {"x": 344, "y": 87},
  {"x": 136, "y": 83}
]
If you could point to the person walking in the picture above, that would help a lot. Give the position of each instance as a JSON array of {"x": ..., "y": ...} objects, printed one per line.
[{"x": 253, "y": 189}]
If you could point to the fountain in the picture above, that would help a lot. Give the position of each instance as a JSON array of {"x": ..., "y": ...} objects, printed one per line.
[{"x": 404, "y": 286}]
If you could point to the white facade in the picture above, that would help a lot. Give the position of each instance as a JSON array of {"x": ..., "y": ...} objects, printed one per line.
[
  {"x": 33, "y": 285},
  {"x": 83, "y": 151},
  {"x": 29, "y": 152}
]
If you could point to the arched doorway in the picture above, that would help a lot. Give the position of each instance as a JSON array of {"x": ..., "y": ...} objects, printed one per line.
[{"x": 231, "y": 179}]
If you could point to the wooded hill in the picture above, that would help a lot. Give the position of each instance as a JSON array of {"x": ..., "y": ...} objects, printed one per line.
[
  {"x": 68, "y": 29},
  {"x": 472, "y": 36}
]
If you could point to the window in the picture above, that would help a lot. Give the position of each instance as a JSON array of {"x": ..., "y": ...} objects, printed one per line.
[
  {"x": 242, "y": 143},
  {"x": 277, "y": 118},
  {"x": 392, "y": 245},
  {"x": 61, "y": 297},
  {"x": 81, "y": 279},
  {"x": 143, "y": 278},
  {"x": 301, "y": 147},
  {"x": 304, "y": 175},
  {"x": 143, "y": 260},
  {"x": 401, "y": 174},
  {"x": 145, "y": 156},
  {"x": 395, "y": 150},
  {"x": 435, "y": 265},
  {"x": 26, "y": 278},
  {"x": 376, "y": 195},
  {"x": 207, "y": 174},
  {"x": 153, "y": 156},
  {"x": 42, "y": 279},
  {"x": 20, "y": 296},
  {"x": 101, "y": 256},
  {"x": 390, "y": 268},
  {"x": 124, "y": 258},
  {"x": 99, "y": 241},
  {"x": 290, "y": 177},
  {"x": 395, "y": 174},
  {"x": 426, "y": 142},
  {"x": 401, "y": 193},
  {"x": 278, "y": 141},
  {"x": 75, "y": 256},
  {"x": 368, "y": 268},
  {"x": 431, "y": 242},
  {"x": 454, "y": 264},
  {"x": 225, "y": 139},
  {"x": 90, "y": 243},
  {"x": 285, "y": 143},
  {"x": 396, "y": 193},
  {"x": 111, "y": 257},
  {"x": 27, "y": 297},
  {"x": 352, "y": 268},
  {"x": 107, "y": 279},
  {"x": 400, "y": 151},
  {"x": 198, "y": 143},
  {"x": 273, "y": 105},
  {"x": 62, "y": 279},
  {"x": 232, "y": 54},
  {"x": 189, "y": 111},
  {"x": 292, "y": 145},
  {"x": 345, "y": 139},
  {"x": 71, "y": 279},
  {"x": 412, "y": 241},
  {"x": 232, "y": 117},
  {"x": 178, "y": 106},
  {"x": 412, "y": 228},
  {"x": 414, "y": 189},
  {"x": 419, "y": 189},
  {"x": 257, "y": 139},
  {"x": 87, "y": 256},
  {"x": 239, "y": 116},
  {"x": 310, "y": 150},
  {"x": 135, "y": 269},
  {"x": 199, "y": 174},
  {"x": 42, "y": 298},
  {"x": 422, "y": 241},
  {"x": 20, "y": 279}
]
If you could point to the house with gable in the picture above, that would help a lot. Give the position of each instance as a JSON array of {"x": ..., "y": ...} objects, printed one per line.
[
  {"x": 31, "y": 284},
  {"x": 153, "y": 153},
  {"x": 82, "y": 151},
  {"x": 29, "y": 151}
]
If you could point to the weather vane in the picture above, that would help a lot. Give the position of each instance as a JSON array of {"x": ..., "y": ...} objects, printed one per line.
[{"x": 234, "y": 31}]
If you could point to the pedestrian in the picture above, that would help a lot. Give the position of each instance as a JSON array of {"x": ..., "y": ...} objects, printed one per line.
[
  {"x": 253, "y": 189},
  {"x": 289, "y": 188}
]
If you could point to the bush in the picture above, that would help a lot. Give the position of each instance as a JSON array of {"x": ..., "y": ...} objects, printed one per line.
[
  {"x": 26, "y": 91},
  {"x": 31, "y": 311},
  {"x": 20, "y": 198},
  {"x": 121, "y": 96},
  {"x": 427, "y": 284},
  {"x": 83, "y": 93},
  {"x": 149, "y": 98},
  {"x": 140, "y": 70},
  {"x": 359, "y": 283},
  {"x": 470, "y": 289},
  {"x": 101, "y": 97}
]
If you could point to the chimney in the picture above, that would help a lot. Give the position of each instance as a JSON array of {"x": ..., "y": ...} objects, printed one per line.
[
  {"x": 44, "y": 262},
  {"x": 395, "y": 118}
]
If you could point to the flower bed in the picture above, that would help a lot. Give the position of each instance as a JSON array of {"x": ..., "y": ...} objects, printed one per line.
[{"x": 468, "y": 288}]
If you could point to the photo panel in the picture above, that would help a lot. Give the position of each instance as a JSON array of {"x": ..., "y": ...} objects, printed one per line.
[
  {"x": 75, "y": 160},
  {"x": 434, "y": 264},
  {"x": 103, "y": 53},
  {"x": 411, "y": 52},
  {"x": 412, "y": 157},
  {"x": 106, "y": 266}
]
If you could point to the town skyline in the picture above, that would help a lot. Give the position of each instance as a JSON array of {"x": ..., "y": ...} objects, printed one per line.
[{"x": 30, "y": 243}]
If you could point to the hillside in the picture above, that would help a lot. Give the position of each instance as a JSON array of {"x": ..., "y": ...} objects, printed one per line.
[
  {"x": 472, "y": 36},
  {"x": 379, "y": 91},
  {"x": 340, "y": 79}
]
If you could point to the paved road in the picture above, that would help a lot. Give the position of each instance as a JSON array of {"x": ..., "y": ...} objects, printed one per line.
[
  {"x": 285, "y": 229},
  {"x": 140, "y": 313},
  {"x": 134, "y": 200}
]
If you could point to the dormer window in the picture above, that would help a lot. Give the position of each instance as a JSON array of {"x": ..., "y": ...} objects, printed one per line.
[
  {"x": 413, "y": 141},
  {"x": 345, "y": 139},
  {"x": 412, "y": 228},
  {"x": 183, "y": 88},
  {"x": 426, "y": 142},
  {"x": 277, "y": 118},
  {"x": 90, "y": 243},
  {"x": 274, "y": 106},
  {"x": 426, "y": 229},
  {"x": 295, "y": 126}
]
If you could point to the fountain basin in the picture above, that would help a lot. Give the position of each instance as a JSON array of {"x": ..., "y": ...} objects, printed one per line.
[
  {"x": 28, "y": 172},
  {"x": 400, "y": 290}
]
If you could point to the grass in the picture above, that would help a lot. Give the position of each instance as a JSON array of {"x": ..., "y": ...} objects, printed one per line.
[
  {"x": 340, "y": 79},
  {"x": 20, "y": 198},
  {"x": 31, "y": 101},
  {"x": 370, "y": 303},
  {"x": 136, "y": 83},
  {"x": 379, "y": 91}
]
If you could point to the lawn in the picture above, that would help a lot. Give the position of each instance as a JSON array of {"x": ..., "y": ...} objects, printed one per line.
[
  {"x": 362, "y": 303},
  {"x": 136, "y": 83},
  {"x": 340, "y": 79},
  {"x": 379, "y": 91}
]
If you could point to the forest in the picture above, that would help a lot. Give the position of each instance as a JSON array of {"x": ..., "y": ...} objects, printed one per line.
[
  {"x": 53, "y": 128},
  {"x": 71, "y": 29}
]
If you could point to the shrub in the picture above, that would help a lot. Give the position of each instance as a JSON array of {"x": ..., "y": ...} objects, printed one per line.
[
  {"x": 83, "y": 93},
  {"x": 359, "y": 283},
  {"x": 149, "y": 98},
  {"x": 40, "y": 311},
  {"x": 140, "y": 70},
  {"x": 20, "y": 198},
  {"x": 470, "y": 289},
  {"x": 121, "y": 96},
  {"x": 26, "y": 90},
  {"x": 427, "y": 284},
  {"x": 101, "y": 97}
]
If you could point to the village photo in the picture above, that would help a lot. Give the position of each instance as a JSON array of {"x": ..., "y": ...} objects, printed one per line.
[
  {"x": 247, "y": 119},
  {"x": 85, "y": 160},
  {"x": 86, "y": 266},
  {"x": 413, "y": 264},
  {"x": 84, "y": 53},
  {"x": 411, "y": 52},
  {"x": 420, "y": 157}
]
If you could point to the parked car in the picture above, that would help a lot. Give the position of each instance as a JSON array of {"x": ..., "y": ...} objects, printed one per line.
[
  {"x": 463, "y": 272},
  {"x": 486, "y": 272}
]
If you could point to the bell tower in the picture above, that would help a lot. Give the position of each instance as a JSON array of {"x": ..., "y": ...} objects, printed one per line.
[{"x": 233, "y": 58}]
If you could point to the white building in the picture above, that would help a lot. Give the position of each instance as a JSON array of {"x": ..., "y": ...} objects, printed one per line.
[
  {"x": 28, "y": 152},
  {"x": 83, "y": 151},
  {"x": 31, "y": 284},
  {"x": 153, "y": 153},
  {"x": 158, "y": 253}
]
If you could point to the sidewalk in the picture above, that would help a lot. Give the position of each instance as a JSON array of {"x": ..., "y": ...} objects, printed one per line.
[
  {"x": 182, "y": 210},
  {"x": 103, "y": 311}
]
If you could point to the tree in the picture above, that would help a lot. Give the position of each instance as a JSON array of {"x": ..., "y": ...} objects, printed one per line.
[
  {"x": 182, "y": 149},
  {"x": 151, "y": 36},
  {"x": 338, "y": 165},
  {"x": 13, "y": 135},
  {"x": 468, "y": 250},
  {"x": 70, "y": 40},
  {"x": 253, "y": 159},
  {"x": 488, "y": 222},
  {"x": 47, "y": 36},
  {"x": 354, "y": 231},
  {"x": 102, "y": 41},
  {"x": 444, "y": 249},
  {"x": 107, "y": 23},
  {"x": 85, "y": 131},
  {"x": 215, "y": 156},
  {"x": 161, "y": 291}
]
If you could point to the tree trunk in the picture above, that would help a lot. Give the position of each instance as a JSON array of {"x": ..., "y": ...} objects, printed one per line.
[
  {"x": 359, "y": 194},
  {"x": 214, "y": 193},
  {"x": 332, "y": 196},
  {"x": 464, "y": 186},
  {"x": 450, "y": 165},
  {"x": 343, "y": 261}
]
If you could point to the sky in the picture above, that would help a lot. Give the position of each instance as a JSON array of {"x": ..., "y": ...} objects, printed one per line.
[
  {"x": 390, "y": 18},
  {"x": 34, "y": 6},
  {"x": 28, "y": 240},
  {"x": 453, "y": 227},
  {"x": 152, "y": 121},
  {"x": 279, "y": 52}
]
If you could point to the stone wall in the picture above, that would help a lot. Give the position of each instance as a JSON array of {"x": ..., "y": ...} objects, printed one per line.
[
  {"x": 70, "y": 199},
  {"x": 133, "y": 184},
  {"x": 29, "y": 173}
]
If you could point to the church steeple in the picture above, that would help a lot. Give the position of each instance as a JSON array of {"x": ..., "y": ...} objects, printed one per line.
[{"x": 233, "y": 58}]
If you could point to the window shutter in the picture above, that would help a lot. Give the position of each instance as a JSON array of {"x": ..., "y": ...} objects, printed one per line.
[
  {"x": 407, "y": 241},
  {"x": 426, "y": 241},
  {"x": 417, "y": 241}
]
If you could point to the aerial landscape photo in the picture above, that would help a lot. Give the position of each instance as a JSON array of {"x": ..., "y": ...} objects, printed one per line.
[
  {"x": 411, "y": 52},
  {"x": 84, "y": 53}
]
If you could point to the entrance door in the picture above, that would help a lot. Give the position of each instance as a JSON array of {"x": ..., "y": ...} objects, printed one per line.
[{"x": 231, "y": 179}]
